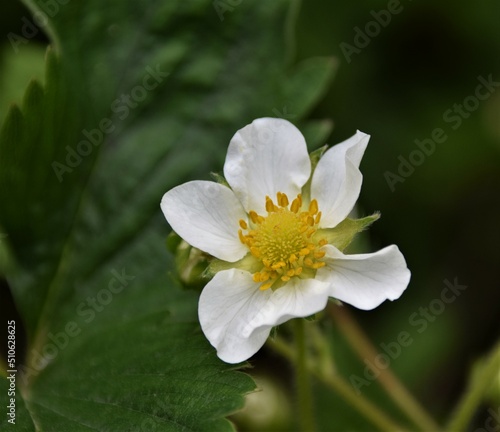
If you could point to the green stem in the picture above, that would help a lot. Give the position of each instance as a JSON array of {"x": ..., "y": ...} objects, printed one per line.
[
  {"x": 340, "y": 386},
  {"x": 325, "y": 358},
  {"x": 304, "y": 396},
  {"x": 475, "y": 393},
  {"x": 391, "y": 384}
]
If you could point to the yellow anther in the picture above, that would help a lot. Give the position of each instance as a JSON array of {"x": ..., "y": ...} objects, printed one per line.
[
  {"x": 283, "y": 200},
  {"x": 255, "y": 252},
  {"x": 313, "y": 207},
  {"x": 254, "y": 216},
  {"x": 270, "y": 206},
  {"x": 266, "y": 286},
  {"x": 310, "y": 232},
  {"x": 283, "y": 241}
]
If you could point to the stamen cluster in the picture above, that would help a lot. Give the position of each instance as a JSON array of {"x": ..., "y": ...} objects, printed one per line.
[{"x": 284, "y": 241}]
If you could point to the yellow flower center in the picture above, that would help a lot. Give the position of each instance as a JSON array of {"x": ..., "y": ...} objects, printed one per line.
[{"x": 284, "y": 241}]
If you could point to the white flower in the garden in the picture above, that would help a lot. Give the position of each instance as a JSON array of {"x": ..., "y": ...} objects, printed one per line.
[{"x": 273, "y": 230}]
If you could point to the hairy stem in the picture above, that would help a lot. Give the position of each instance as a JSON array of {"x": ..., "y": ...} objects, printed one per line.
[
  {"x": 475, "y": 393},
  {"x": 304, "y": 396},
  {"x": 341, "y": 387},
  {"x": 391, "y": 384}
]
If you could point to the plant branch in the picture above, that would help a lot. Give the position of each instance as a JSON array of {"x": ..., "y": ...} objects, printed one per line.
[
  {"x": 341, "y": 387},
  {"x": 475, "y": 393},
  {"x": 391, "y": 384},
  {"x": 304, "y": 396}
]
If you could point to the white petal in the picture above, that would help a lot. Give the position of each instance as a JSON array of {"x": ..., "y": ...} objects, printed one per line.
[
  {"x": 336, "y": 181},
  {"x": 206, "y": 215},
  {"x": 298, "y": 298},
  {"x": 365, "y": 280},
  {"x": 237, "y": 317},
  {"x": 265, "y": 157},
  {"x": 228, "y": 304}
]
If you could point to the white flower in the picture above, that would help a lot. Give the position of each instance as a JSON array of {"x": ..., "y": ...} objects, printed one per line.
[{"x": 273, "y": 228}]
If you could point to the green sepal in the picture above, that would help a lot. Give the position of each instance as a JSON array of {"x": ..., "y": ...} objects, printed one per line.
[
  {"x": 248, "y": 263},
  {"x": 315, "y": 156},
  {"x": 190, "y": 262},
  {"x": 173, "y": 241},
  {"x": 219, "y": 178},
  {"x": 343, "y": 234},
  {"x": 335, "y": 301}
]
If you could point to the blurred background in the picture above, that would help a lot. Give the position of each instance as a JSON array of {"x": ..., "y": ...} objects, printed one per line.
[
  {"x": 412, "y": 79},
  {"x": 444, "y": 215}
]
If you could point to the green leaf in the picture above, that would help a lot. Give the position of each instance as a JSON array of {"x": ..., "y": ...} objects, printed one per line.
[
  {"x": 308, "y": 83},
  {"x": 17, "y": 69},
  {"x": 16, "y": 412},
  {"x": 138, "y": 97},
  {"x": 343, "y": 234},
  {"x": 316, "y": 132},
  {"x": 146, "y": 384}
]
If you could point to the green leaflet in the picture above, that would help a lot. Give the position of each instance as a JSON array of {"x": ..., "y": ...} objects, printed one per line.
[{"x": 138, "y": 97}]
